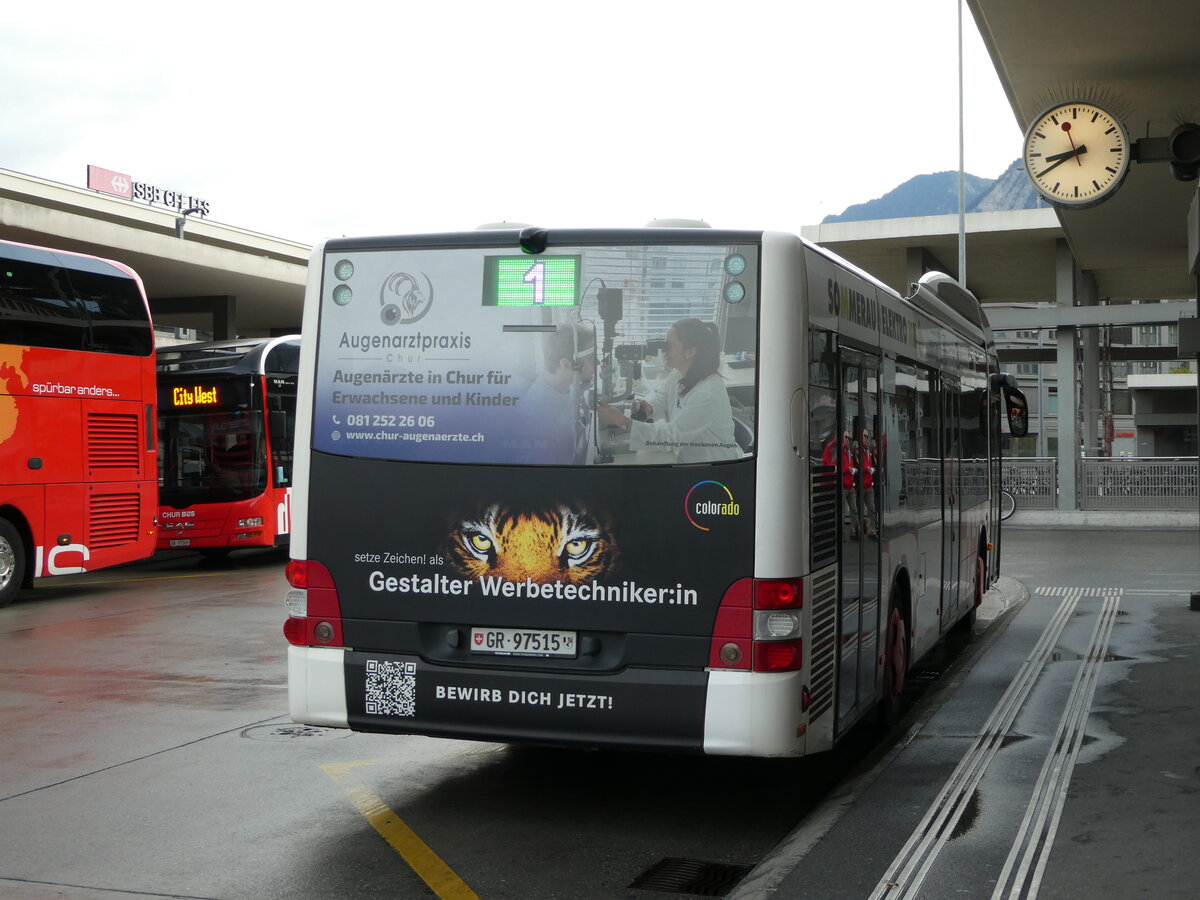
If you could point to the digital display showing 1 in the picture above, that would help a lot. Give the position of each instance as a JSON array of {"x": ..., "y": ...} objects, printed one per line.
[{"x": 531, "y": 281}]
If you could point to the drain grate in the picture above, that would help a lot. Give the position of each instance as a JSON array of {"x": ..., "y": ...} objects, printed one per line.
[
  {"x": 691, "y": 876},
  {"x": 289, "y": 733}
]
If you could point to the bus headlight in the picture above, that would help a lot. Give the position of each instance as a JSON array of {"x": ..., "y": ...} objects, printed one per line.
[{"x": 255, "y": 522}]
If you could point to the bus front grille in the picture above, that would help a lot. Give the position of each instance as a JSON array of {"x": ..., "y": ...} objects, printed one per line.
[
  {"x": 112, "y": 441},
  {"x": 113, "y": 520}
]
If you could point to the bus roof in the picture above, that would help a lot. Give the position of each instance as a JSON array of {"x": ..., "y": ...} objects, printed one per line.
[
  {"x": 546, "y": 237},
  {"x": 252, "y": 356},
  {"x": 937, "y": 295},
  {"x": 79, "y": 262}
]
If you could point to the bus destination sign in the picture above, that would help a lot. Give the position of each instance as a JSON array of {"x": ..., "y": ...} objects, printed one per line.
[{"x": 195, "y": 395}]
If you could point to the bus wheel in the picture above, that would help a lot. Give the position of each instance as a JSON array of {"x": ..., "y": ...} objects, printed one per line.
[
  {"x": 895, "y": 668},
  {"x": 12, "y": 562}
]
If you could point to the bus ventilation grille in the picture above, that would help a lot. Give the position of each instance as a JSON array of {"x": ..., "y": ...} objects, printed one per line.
[
  {"x": 824, "y": 515},
  {"x": 113, "y": 520},
  {"x": 112, "y": 441},
  {"x": 689, "y": 876},
  {"x": 824, "y": 642}
]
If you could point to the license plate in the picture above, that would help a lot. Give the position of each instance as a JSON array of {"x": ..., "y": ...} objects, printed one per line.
[
  {"x": 181, "y": 542},
  {"x": 523, "y": 642}
]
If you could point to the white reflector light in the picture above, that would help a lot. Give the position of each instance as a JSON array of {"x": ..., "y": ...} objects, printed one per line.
[
  {"x": 296, "y": 601},
  {"x": 768, "y": 625}
]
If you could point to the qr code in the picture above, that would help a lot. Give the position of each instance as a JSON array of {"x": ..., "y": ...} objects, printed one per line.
[{"x": 391, "y": 688}]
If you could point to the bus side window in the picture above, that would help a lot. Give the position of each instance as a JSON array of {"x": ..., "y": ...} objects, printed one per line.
[
  {"x": 280, "y": 425},
  {"x": 896, "y": 447}
]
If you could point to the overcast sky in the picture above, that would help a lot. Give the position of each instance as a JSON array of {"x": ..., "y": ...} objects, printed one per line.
[{"x": 306, "y": 121}]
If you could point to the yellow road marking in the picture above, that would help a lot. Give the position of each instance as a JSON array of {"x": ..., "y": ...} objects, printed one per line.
[
  {"x": 338, "y": 771},
  {"x": 420, "y": 858}
]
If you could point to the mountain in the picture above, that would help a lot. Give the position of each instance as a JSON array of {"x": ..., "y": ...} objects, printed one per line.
[
  {"x": 937, "y": 195},
  {"x": 1012, "y": 190}
]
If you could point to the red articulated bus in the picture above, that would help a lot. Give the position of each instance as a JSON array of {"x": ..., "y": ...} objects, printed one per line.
[
  {"x": 77, "y": 489},
  {"x": 227, "y": 416}
]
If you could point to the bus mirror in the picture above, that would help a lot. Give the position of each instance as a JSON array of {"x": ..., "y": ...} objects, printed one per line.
[
  {"x": 1015, "y": 403},
  {"x": 1018, "y": 411}
]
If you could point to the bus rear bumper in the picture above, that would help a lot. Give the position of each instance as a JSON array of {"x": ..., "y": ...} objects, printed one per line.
[
  {"x": 317, "y": 686},
  {"x": 743, "y": 713},
  {"x": 754, "y": 714}
]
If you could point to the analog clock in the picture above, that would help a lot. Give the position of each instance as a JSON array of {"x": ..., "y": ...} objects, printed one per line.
[{"x": 1076, "y": 154}]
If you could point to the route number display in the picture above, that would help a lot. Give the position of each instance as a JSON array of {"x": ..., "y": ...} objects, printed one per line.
[{"x": 531, "y": 281}]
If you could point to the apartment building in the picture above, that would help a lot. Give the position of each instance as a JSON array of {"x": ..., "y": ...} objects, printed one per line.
[{"x": 1143, "y": 407}]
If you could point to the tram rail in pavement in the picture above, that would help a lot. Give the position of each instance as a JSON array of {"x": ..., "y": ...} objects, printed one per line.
[{"x": 1061, "y": 760}]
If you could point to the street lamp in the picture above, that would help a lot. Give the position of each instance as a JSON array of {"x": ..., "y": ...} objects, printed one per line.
[{"x": 181, "y": 219}]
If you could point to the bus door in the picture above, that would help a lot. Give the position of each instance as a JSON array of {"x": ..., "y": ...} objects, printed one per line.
[
  {"x": 859, "y": 610},
  {"x": 951, "y": 500}
]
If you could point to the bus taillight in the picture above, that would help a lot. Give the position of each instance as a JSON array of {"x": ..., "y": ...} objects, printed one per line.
[
  {"x": 778, "y": 646},
  {"x": 314, "y": 610},
  {"x": 295, "y": 630},
  {"x": 787, "y": 593},
  {"x": 778, "y": 656},
  {"x": 297, "y": 573},
  {"x": 758, "y": 626}
]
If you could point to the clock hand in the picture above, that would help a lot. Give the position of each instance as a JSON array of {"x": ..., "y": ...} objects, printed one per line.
[
  {"x": 1059, "y": 158},
  {"x": 1066, "y": 126},
  {"x": 1065, "y": 154}
]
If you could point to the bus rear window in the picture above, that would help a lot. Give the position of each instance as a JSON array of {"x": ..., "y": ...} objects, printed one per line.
[
  {"x": 38, "y": 309},
  {"x": 50, "y": 306},
  {"x": 618, "y": 355},
  {"x": 118, "y": 317}
]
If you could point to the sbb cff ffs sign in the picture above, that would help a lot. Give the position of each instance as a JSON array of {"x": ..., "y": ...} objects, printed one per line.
[{"x": 121, "y": 185}]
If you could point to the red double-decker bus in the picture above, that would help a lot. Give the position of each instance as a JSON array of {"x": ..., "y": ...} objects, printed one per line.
[
  {"x": 77, "y": 471},
  {"x": 227, "y": 416}
]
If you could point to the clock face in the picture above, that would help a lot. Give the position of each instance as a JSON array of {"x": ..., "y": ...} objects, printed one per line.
[{"x": 1076, "y": 154}]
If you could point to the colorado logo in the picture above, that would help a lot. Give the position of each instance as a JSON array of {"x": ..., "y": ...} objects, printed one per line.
[{"x": 707, "y": 502}]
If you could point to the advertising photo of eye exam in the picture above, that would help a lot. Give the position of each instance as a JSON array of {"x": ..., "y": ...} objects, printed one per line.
[{"x": 684, "y": 394}]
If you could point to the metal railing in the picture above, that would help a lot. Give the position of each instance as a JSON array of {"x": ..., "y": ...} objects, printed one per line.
[
  {"x": 1105, "y": 483},
  {"x": 1033, "y": 481},
  {"x": 1166, "y": 484}
]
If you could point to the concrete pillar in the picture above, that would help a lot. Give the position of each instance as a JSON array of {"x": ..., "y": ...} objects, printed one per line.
[
  {"x": 220, "y": 311},
  {"x": 1090, "y": 339},
  {"x": 1066, "y": 290},
  {"x": 918, "y": 261}
]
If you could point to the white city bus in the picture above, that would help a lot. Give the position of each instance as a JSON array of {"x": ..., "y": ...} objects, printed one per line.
[{"x": 507, "y": 528}]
